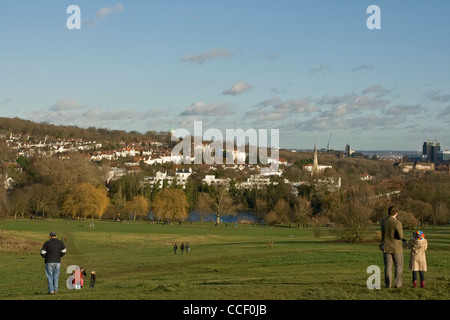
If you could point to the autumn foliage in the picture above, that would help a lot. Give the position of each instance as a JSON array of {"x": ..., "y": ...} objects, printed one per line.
[{"x": 86, "y": 200}]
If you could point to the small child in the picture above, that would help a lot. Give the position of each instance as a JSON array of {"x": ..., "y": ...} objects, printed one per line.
[
  {"x": 92, "y": 279},
  {"x": 83, "y": 275},
  {"x": 417, "y": 259}
]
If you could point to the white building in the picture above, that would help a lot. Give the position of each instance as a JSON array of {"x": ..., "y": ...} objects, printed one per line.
[
  {"x": 211, "y": 179},
  {"x": 115, "y": 174},
  {"x": 255, "y": 181},
  {"x": 180, "y": 178}
]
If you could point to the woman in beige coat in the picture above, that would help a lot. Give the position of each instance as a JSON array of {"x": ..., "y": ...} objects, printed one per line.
[{"x": 417, "y": 259}]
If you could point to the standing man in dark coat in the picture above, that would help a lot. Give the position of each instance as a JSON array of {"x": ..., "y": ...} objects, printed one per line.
[
  {"x": 392, "y": 247},
  {"x": 52, "y": 251}
]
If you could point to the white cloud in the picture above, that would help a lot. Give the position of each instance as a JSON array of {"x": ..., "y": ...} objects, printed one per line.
[
  {"x": 367, "y": 67},
  {"x": 281, "y": 109},
  {"x": 444, "y": 114},
  {"x": 154, "y": 113},
  {"x": 117, "y": 114},
  {"x": 237, "y": 88},
  {"x": 322, "y": 69},
  {"x": 65, "y": 105},
  {"x": 321, "y": 122},
  {"x": 351, "y": 111},
  {"x": 436, "y": 96},
  {"x": 104, "y": 12},
  {"x": 201, "y": 58},
  {"x": 404, "y": 110},
  {"x": 377, "y": 89},
  {"x": 336, "y": 99},
  {"x": 212, "y": 109},
  {"x": 351, "y": 103}
]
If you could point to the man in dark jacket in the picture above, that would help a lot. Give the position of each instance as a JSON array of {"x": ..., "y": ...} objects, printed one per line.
[
  {"x": 52, "y": 251},
  {"x": 392, "y": 246}
]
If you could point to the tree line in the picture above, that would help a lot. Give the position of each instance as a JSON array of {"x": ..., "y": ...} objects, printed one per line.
[
  {"x": 35, "y": 131},
  {"x": 75, "y": 186}
]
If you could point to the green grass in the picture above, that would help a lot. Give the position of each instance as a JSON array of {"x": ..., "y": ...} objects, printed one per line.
[{"x": 135, "y": 260}]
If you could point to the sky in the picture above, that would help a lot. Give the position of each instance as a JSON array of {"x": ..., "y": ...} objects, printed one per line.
[{"x": 311, "y": 69}]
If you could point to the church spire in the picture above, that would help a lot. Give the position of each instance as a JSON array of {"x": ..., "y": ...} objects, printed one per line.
[{"x": 315, "y": 167}]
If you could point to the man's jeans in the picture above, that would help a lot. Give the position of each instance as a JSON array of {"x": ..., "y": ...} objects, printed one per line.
[
  {"x": 395, "y": 259},
  {"x": 52, "y": 271}
]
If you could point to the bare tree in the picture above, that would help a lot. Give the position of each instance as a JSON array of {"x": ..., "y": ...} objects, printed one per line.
[
  {"x": 203, "y": 205},
  {"x": 352, "y": 210},
  {"x": 221, "y": 203},
  {"x": 440, "y": 214},
  {"x": 302, "y": 210},
  {"x": 41, "y": 200},
  {"x": 280, "y": 213}
]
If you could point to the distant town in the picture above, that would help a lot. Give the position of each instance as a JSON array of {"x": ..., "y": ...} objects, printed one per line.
[
  {"x": 128, "y": 157},
  {"x": 57, "y": 171}
]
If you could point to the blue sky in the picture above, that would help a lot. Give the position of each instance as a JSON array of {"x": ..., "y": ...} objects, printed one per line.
[{"x": 308, "y": 68}]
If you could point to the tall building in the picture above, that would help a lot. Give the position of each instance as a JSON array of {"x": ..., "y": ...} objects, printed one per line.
[
  {"x": 432, "y": 150},
  {"x": 348, "y": 151}
]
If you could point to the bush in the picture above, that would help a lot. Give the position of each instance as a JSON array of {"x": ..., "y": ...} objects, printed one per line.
[{"x": 408, "y": 220}]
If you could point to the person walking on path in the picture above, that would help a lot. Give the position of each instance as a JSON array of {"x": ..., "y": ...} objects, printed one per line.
[
  {"x": 52, "y": 251},
  {"x": 392, "y": 247},
  {"x": 175, "y": 247},
  {"x": 417, "y": 258}
]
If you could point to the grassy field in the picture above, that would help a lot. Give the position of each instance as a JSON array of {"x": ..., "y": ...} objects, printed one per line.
[{"x": 135, "y": 260}]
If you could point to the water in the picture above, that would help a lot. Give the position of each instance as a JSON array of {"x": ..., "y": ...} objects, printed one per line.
[
  {"x": 240, "y": 217},
  {"x": 211, "y": 217}
]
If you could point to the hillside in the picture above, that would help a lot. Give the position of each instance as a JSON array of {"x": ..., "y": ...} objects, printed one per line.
[{"x": 34, "y": 130}]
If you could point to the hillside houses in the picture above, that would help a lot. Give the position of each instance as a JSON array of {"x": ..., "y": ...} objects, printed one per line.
[
  {"x": 49, "y": 146},
  {"x": 128, "y": 158}
]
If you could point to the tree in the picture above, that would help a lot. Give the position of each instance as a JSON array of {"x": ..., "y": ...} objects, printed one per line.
[
  {"x": 221, "y": 203},
  {"x": 138, "y": 207},
  {"x": 352, "y": 210},
  {"x": 302, "y": 210},
  {"x": 280, "y": 213},
  {"x": 19, "y": 203},
  {"x": 423, "y": 211},
  {"x": 41, "y": 200},
  {"x": 63, "y": 175},
  {"x": 440, "y": 213},
  {"x": 203, "y": 205},
  {"x": 170, "y": 204},
  {"x": 86, "y": 200},
  {"x": 3, "y": 202},
  {"x": 260, "y": 208},
  {"x": 408, "y": 220}
]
